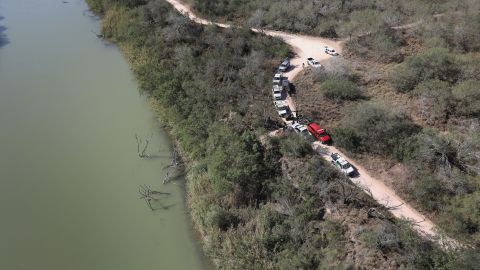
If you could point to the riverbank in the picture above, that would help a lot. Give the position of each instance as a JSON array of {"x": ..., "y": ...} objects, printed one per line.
[{"x": 270, "y": 205}]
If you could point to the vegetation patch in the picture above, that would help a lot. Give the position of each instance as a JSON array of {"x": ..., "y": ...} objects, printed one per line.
[
  {"x": 340, "y": 90},
  {"x": 271, "y": 205},
  {"x": 373, "y": 128}
]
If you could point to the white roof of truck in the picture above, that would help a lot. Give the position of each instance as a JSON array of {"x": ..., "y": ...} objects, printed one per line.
[{"x": 280, "y": 103}]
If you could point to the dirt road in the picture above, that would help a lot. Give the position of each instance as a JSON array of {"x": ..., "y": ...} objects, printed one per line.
[
  {"x": 381, "y": 193},
  {"x": 308, "y": 46}
]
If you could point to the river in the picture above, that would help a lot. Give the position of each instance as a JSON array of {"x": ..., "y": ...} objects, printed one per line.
[{"x": 69, "y": 169}]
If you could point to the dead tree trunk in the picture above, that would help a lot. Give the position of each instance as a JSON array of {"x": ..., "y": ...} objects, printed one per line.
[
  {"x": 143, "y": 146},
  {"x": 147, "y": 194}
]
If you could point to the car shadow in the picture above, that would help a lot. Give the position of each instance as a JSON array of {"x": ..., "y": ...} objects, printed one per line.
[
  {"x": 292, "y": 90},
  {"x": 356, "y": 173}
]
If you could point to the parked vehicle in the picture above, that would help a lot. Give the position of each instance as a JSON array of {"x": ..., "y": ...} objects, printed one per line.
[
  {"x": 277, "y": 79},
  {"x": 302, "y": 130},
  {"x": 277, "y": 92},
  {"x": 319, "y": 133},
  {"x": 282, "y": 108},
  {"x": 314, "y": 63},
  {"x": 284, "y": 66},
  {"x": 330, "y": 51},
  {"x": 342, "y": 164}
]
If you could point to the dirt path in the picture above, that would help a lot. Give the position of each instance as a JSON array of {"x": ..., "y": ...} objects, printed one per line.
[
  {"x": 308, "y": 46},
  {"x": 381, "y": 193}
]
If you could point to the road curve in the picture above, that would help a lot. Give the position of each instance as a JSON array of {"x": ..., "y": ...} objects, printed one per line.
[{"x": 309, "y": 46}]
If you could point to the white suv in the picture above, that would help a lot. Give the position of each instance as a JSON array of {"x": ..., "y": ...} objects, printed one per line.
[
  {"x": 330, "y": 51},
  {"x": 342, "y": 164},
  {"x": 284, "y": 66},
  {"x": 314, "y": 63}
]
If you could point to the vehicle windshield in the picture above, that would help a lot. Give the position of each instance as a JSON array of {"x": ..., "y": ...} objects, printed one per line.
[{"x": 345, "y": 166}]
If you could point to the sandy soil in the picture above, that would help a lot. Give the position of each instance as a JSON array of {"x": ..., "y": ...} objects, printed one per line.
[{"x": 308, "y": 46}]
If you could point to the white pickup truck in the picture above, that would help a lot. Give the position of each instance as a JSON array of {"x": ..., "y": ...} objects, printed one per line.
[
  {"x": 277, "y": 92},
  {"x": 342, "y": 164},
  {"x": 282, "y": 108}
]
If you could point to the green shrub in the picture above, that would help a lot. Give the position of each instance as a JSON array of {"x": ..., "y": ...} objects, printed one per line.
[
  {"x": 434, "y": 99},
  {"x": 340, "y": 89},
  {"x": 234, "y": 160},
  {"x": 403, "y": 78},
  {"x": 100, "y": 6},
  {"x": 461, "y": 218},
  {"x": 459, "y": 31},
  {"x": 467, "y": 95},
  {"x": 382, "y": 45},
  {"x": 429, "y": 192},
  {"x": 295, "y": 145},
  {"x": 434, "y": 64},
  {"x": 220, "y": 218},
  {"x": 373, "y": 128}
]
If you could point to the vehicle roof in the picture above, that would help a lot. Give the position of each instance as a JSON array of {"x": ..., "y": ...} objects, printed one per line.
[
  {"x": 280, "y": 103},
  {"x": 336, "y": 155},
  {"x": 342, "y": 161},
  {"x": 299, "y": 126},
  {"x": 277, "y": 88},
  {"x": 325, "y": 137},
  {"x": 315, "y": 126},
  {"x": 285, "y": 62},
  {"x": 277, "y": 75}
]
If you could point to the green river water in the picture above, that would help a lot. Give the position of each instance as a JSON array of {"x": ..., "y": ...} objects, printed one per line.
[{"x": 69, "y": 170}]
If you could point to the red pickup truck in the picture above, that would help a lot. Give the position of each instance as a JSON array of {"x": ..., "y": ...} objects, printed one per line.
[{"x": 319, "y": 132}]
